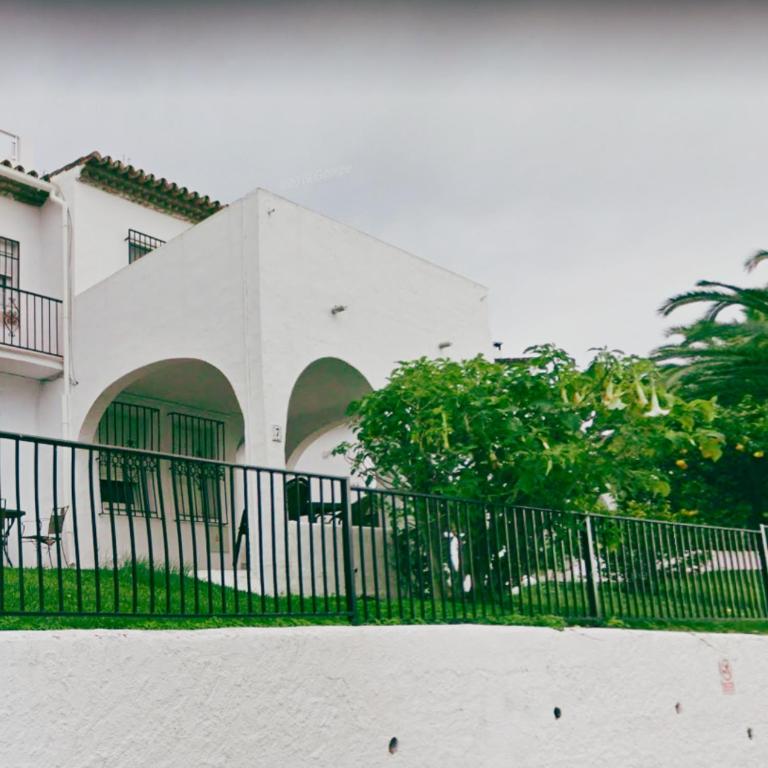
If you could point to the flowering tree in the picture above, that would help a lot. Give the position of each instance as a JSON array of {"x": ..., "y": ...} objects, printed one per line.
[{"x": 535, "y": 431}]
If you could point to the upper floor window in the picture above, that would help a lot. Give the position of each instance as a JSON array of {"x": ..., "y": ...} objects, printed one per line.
[
  {"x": 140, "y": 244},
  {"x": 9, "y": 263}
]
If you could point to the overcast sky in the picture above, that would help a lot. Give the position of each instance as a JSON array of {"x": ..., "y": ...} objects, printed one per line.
[{"x": 583, "y": 161}]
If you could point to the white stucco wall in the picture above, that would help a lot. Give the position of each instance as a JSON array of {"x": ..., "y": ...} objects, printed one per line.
[
  {"x": 101, "y": 221},
  {"x": 19, "y": 403},
  {"x": 183, "y": 301},
  {"x": 251, "y": 291},
  {"x": 399, "y": 306},
  {"x": 19, "y": 408},
  {"x": 464, "y": 696},
  {"x": 315, "y": 454},
  {"x": 37, "y": 230}
]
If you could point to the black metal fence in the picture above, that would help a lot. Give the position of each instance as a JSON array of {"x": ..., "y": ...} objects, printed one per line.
[
  {"x": 434, "y": 558},
  {"x": 97, "y": 530},
  {"x": 30, "y": 321}
]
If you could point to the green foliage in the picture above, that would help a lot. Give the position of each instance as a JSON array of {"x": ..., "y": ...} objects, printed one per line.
[
  {"x": 712, "y": 356},
  {"x": 534, "y": 431},
  {"x": 733, "y": 491},
  {"x": 727, "y": 359},
  {"x": 278, "y": 615}
]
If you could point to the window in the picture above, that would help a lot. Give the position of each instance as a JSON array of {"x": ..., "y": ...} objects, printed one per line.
[
  {"x": 140, "y": 244},
  {"x": 129, "y": 482},
  {"x": 9, "y": 263},
  {"x": 200, "y": 489}
]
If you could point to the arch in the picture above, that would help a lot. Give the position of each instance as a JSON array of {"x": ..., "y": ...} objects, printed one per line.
[
  {"x": 319, "y": 401},
  {"x": 188, "y": 383},
  {"x": 181, "y": 406}
]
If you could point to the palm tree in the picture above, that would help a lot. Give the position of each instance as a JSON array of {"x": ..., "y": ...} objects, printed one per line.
[{"x": 716, "y": 357}]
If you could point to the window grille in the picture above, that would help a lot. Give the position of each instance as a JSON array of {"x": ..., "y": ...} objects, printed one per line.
[
  {"x": 140, "y": 244},
  {"x": 9, "y": 263},
  {"x": 199, "y": 487},
  {"x": 129, "y": 482},
  {"x": 197, "y": 437},
  {"x": 130, "y": 426}
]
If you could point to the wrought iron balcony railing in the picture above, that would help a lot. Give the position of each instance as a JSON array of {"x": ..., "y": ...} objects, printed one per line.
[{"x": 30, "y": 321}]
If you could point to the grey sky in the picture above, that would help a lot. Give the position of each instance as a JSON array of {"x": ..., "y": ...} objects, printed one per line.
[{"x": 584, "y": 161}]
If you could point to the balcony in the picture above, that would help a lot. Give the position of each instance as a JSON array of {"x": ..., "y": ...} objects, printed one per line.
[{"x": 30, "y": 334}]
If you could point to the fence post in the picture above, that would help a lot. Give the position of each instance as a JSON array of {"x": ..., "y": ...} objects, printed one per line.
[
  {"x": 349, "y": 565},
  {"x": 593, "y": 594},
  {"x": 763, "y": 549}
]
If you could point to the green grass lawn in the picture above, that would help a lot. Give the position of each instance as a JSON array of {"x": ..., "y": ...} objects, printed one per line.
[{"x": 138, "y": 598}]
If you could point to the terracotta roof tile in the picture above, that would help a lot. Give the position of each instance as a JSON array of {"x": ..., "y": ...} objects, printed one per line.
[
  {"x": 17, "y": 190},
  {"x": 20, "y": 169},
  {"x": 141, "y": 187}
]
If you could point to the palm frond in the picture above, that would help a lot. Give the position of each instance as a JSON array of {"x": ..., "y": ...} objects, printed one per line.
[
  {"x": 755, "y": 259},
  {"x": 754, "y": 299}
]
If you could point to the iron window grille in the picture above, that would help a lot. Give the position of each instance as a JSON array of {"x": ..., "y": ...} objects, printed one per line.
[
  {"x": 140, "y": 244},
  {"x": 128, "y": 482},
  {"x": 199, "y": 487},
  {"x": 9, "y": 263}
]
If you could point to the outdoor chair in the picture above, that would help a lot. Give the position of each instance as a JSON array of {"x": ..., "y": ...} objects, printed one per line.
[{"x": 53, "y": 536}]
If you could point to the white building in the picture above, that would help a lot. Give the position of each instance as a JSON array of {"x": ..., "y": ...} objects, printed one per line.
[{"x": 138, "y": 313}]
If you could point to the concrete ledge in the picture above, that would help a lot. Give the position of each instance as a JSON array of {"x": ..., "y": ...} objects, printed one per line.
[
  {"x": 468, "y": 696},
  {"x": 31, "y": 365}
]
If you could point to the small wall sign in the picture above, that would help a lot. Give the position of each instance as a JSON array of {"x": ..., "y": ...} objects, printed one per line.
[
  {"x": 726, "y": 677},
  {"x": 277, "y": 433}
]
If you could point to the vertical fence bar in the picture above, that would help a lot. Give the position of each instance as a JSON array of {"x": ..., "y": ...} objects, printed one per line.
[
  {"x": 375, "y": 557},
  {"x": 75, "y": 527},
  {"x": 705, "y": 571},
  {"x": 57, "y": 523},
  {"x": 38, "y": 531},
  {"x": 324, "y": 558},
  {"x": 593, "y": 594},
  {"x": 349, "y": 567},
  {"x": 719, "y": 582},
  {"x": 176, "y": 493},
  {"x": 361, "y": 554},
  {"x": 17, "y": 481},
  {"x": 234, "y": 530},
  {"x": 752, "y": 571},
  {"x": 312, "y": 566},
  {"x": 382, "y": 512},
  {"x": 763, "y": 553},
  {"x": 247, "y": 520},
  {"x": 434, "y": 582},
  {"x": 158, "y": 479}
]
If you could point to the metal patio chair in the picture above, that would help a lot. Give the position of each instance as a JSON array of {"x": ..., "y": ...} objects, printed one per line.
[{"x": 53, "y": 536}]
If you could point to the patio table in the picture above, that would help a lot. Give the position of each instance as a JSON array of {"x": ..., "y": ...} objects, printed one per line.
[{"x": 7, "y": 518}]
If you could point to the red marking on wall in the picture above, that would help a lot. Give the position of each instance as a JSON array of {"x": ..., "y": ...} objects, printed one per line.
[{"x": 726, "y": 677}]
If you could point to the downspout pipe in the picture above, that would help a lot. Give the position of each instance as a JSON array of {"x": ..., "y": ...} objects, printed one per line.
[{"x": 57, "y": 198}]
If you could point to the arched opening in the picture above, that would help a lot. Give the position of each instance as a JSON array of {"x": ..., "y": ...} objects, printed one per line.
[
  {"x": 184, "y": 386},
  {"x": 316, "y": 423},
  {"x": 317, "y": 420},
  {"x": 185, "y": 407}
]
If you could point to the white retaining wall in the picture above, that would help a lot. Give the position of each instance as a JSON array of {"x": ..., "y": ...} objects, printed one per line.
[{"x": 468, "y": 696}]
